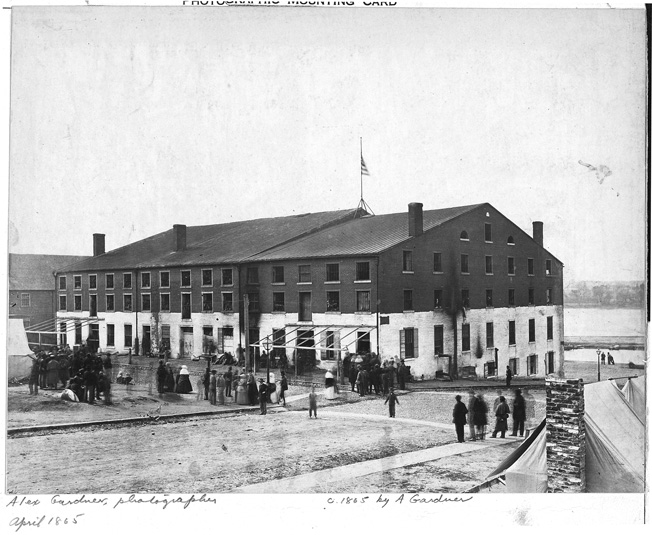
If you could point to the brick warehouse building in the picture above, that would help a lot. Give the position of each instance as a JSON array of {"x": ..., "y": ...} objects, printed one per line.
[{"x": 453, "y": 290}]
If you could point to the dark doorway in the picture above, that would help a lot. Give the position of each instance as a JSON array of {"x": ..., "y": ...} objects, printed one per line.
[{"x": 364, "y": 342}]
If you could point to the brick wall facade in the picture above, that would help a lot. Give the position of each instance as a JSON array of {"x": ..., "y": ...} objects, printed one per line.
[{"x": 566, "y": 435}]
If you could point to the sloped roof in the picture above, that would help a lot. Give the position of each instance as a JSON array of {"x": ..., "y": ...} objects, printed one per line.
[
  {"x": 225, "y": 243},
  {"x": 364, "y": 236},
  {"x": 36, "y": 271}
]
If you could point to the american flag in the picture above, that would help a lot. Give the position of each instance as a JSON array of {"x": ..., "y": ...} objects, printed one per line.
[{"x": 365, "y": 171}]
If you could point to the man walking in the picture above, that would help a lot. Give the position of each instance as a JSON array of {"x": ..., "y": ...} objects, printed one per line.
[{"x": 393, "y": 400}]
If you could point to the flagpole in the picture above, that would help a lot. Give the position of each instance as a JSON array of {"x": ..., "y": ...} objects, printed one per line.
[{"x": 361, "y": 196}]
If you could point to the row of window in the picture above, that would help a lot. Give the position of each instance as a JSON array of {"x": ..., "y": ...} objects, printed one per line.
[
  {"x": 488, "y": 235},
  {"x": 363, "y": 301},
  {"x": 146, "y": 279},
  {"x": 489, "y": 265},
  {"x": 409, "y": 337}
]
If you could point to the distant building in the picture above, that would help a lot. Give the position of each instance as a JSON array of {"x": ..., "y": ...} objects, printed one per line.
[
  {"x": 448, "y": 290},
  {"x": 32, "y": 290}
]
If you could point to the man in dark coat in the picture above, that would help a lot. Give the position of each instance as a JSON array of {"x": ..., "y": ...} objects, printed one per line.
[
  {"x": 353, "y": 375},
  {"x": 502, "y": 413},
  {"x": 393, "y": 400},
  {"x": 90, "y": 383},
  {"x": 519, "y": 414},
  {"x": 161, "y": 373},
  {"x": 459, "y": 418},
  {"x": 480, "y": 416},
  {"x": 207, "y": 381},
  {"x": 228, "y": 379},
  {"x": 508, "y": 376},
  {"x": 262, "y": 396}
]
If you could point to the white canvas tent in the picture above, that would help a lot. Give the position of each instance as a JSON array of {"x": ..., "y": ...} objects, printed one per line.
[
  {"x": 615, "y": 441},
  {"x": 634, "y": 392},
  {"x": 615, "y": 445},
  {"x": 19, "y": 355}
]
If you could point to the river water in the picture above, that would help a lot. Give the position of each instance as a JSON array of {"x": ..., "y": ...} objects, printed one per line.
[{"x": 580, "y": 321}]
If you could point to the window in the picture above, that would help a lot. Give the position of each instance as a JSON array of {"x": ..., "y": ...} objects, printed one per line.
[
  {"x": 530, "y": 266},
  {"x": 278, "y": 301},
  {"x": 436, "y": 263},
  {"x": 362, "y": 271},
  {"x": 512, "y": 333},
  {"x": 110, "y": 335},
  {"x": 332, "y": 301},
  {"x": 489, "y": 297},
  {"x": 145, "y": 280},
  {"x": 126, "y": 280},
  {"x": 185, "y": 278},
  {"x": 128, "y": 335},
  {"x": 165, "y": 336},
  {"x": 439, "y": 298},
  {"x": 548, "y": 267},
  {"x": 62, "y": 282},
  {"x": 549, "y": 327},
  {"x": 363, "y": 301},
  {"x": 490, "y": 334},
  {"x": 548, "y": 296},
  {"x": 305, "y": 306},
  {"x": 510, "y": 240},
  {"x": 207, "y": 302},
  {"x": 186, "y": 306},
  {"x": 304, "y": 273},
  {"x": 464, "y": 259},
  {"x": 126, "y": 302},
  {"x": 278, "y": 275},
  {"x": 207, "y": 277},
  {"x": 77, "y": 282},
  {"x": 511, "y": 268},
  {"x": 110, "y": 302},
  {"x": 109, "y": 281},
  {"x": 332, "y": 272},
  {"x": 146, "y": 302},
  {"x": 466, "y": 302},
  {"x": 489, "y": 265},
  {"x": 407, "y": 261},
  {"x": 409, "y": 343},
  {"x": 227, "y": 277},
  {"x": 487, "y": 232},
  {"x": 24, "y": 300},
  {"x": 530, "y": 296},
  {"x": 165, "y": 279},
  {"x": 464, "y": 236},
  {"x": 532, "y": 365},
  {"x": 64, "y": 334},
  {"x": 78, "y": 302},
  {"x": 439, "y": 339},
  {"x": 254, "y": 302},
  {"x": 92, "y": 305},
  {"x": 532, "y": 331},
  {"x": 407, "y": 300},
  {"x": 466, "y": 337},
  {"x": 252, "y": 275},
  {"x": 511, "y": 297},
  {"x": 92, "y": 282},
  {"x": 165, "y": 302},
  {"x": 78, "y": 333},
  {"x": 208, "y": 345},
  {"x": 227, "y": 302},
  {"x": 551, "y": 361},
  {"x": 62, "y": 302}
]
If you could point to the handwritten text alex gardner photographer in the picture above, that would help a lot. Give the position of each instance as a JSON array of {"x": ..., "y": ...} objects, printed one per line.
[{"x": 76, "y": 510}]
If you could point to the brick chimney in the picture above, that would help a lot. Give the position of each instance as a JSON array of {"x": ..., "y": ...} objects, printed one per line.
[
  {"x": 415, "y": 219},
  {"x": 537, "y": 232},
  {"x": 98, "y": 244},
  {"x": 179, "y": 237}
]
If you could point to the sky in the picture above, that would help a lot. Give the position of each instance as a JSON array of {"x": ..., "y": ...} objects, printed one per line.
[{"x": 125, "y": 121}]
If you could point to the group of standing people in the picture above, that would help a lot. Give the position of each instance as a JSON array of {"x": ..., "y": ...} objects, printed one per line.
[
  {"x": 371, "y": 376},
  {"x": 168, "y": 381},
  {"x": 477, "y": 411},
  {"x": 608, "y": 357}
]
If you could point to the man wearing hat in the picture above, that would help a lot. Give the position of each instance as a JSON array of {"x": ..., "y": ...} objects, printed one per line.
[
  {"x": 262, "y": 396},
  {"x": 519, "y": 413}
]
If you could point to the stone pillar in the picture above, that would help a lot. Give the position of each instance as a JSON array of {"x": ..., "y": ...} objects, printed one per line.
[{"x": 565, "y": 435}]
